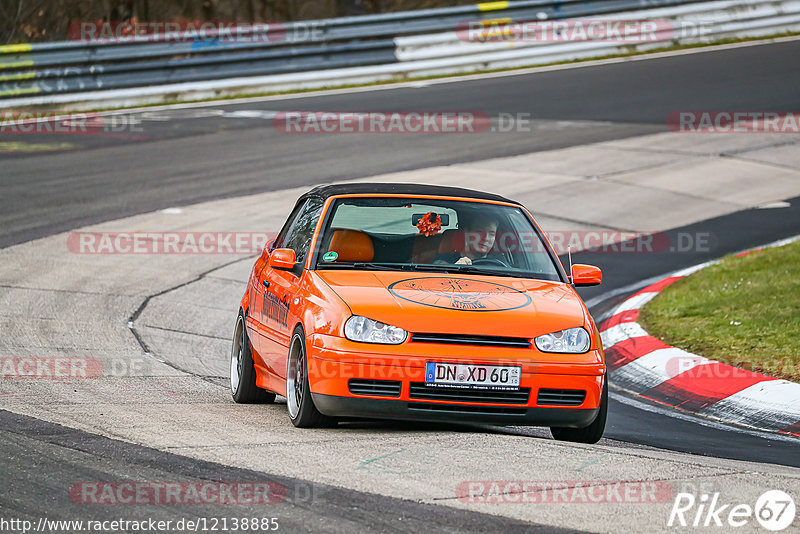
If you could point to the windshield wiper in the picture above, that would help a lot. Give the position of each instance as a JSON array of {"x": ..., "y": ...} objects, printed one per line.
[
  {"x": 471, "y": 269},
  {"x": 436, "y": 267},
  {"x": 425, "y": 267},
  {"x": 366, "y": 265}
]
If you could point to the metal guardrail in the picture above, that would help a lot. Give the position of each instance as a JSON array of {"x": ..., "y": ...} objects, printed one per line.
[
  {"x": 681, "y": 23},
  {"x": 73, "y": 66},
  {"x": 343, "y": 50}
]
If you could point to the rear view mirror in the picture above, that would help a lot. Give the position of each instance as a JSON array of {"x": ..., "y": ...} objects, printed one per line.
[
  {"x": 282, "y": 258},
  {"x": 586, "y": 275}
]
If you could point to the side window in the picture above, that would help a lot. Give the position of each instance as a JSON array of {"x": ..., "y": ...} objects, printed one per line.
[
  {"x": 281, "y": 239},
  {"x": 299, "y": 228}
]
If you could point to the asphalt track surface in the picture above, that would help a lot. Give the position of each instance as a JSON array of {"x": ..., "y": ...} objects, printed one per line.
[
  {"x": 64, "y": 454},
  {"x": 185, "y": 160}
]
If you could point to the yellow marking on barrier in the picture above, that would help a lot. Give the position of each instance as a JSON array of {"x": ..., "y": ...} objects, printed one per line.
[
  {"x": 11, "y": 49},
  {"x": 17, "y": 146},
  {"x": 16, "y": 65},
  {"x": 499, "y": 33},
  {"x": 492, "y": 6},
  {"x": 20, "y": 91},
  {"x": 19, "y": 76},
  {"x": 492, "y": 22}
]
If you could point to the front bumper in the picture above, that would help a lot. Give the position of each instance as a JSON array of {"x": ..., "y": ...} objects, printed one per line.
[
  {"x": 330, "y": 368},
  {"x": 453, "y": 412}
]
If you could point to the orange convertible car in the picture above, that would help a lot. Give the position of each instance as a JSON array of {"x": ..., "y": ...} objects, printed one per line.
[{"x": 403, "y": 301}]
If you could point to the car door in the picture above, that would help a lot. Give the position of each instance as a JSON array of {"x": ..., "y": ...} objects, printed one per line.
[
  {"x": 281, "y": 286},
  {"x": 256, "y": 302}
]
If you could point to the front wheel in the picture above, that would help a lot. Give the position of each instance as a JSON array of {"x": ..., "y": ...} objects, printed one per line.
[
  {"x": 301, "y": 407},
  {"x": 243, "y": 372},
  {"x": 587, "y": 434}
]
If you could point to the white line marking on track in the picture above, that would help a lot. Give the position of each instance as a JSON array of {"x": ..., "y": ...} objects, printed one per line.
[
  {"x": 250, "y": 114},
  {"x": 591, "y": 303}
]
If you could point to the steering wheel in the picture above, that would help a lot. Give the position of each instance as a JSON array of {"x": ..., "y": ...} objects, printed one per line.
[{"x": 491, "y": 261}]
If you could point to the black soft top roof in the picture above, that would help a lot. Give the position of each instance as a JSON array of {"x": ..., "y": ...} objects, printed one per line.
[{"x": 325, "y": 191}]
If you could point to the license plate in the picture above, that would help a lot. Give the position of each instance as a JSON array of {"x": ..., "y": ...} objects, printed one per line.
[{"x": 472, "y": 376}]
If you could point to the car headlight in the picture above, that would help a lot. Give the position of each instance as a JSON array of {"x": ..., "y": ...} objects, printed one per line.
[
  {"x": 365, "y": 330},
  {"x": 571, "y": 340}
]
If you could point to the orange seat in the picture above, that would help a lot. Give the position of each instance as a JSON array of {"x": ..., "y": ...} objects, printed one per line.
[{"x": 352, "y": 245}]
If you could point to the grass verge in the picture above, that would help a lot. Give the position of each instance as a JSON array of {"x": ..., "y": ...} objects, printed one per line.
[{"x": 743, "y": 311}]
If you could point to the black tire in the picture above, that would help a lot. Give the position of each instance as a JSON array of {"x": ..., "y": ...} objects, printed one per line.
[
  {"x": 587, "y": 434},
  {"x": 302, "y": 411},
  {"x": 243, "y": 372}
]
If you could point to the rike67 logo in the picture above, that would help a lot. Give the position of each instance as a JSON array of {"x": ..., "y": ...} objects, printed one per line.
[{"x": 774, "y": 510}]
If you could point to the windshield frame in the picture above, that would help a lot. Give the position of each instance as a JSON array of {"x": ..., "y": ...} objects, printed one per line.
[{"x": 315, "y": 263}]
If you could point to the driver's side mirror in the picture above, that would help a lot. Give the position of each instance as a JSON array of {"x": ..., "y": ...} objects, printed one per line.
[
  {"x": 282, "y": 259},
  {"x": 586, "y": 275}
]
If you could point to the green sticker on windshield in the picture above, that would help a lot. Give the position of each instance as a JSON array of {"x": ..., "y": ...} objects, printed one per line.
[{"x": 330, "y": 256}]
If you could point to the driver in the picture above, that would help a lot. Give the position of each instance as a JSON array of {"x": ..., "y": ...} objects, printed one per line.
[{"x": 480, "y": 231}]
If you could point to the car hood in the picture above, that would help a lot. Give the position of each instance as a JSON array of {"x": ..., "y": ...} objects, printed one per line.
[{"x": 459, "y": 304}]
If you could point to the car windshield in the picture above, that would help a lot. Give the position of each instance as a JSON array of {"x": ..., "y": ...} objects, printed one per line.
[{"x": 387, "y": 233}]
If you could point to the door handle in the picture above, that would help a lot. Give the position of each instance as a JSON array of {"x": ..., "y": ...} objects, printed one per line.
[{"x": 266, "y": 284}]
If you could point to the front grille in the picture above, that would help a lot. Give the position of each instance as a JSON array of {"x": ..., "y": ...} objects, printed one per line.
[
  {"x": 462, "y": 409},
  {"x": 420, "y": 391},
  {"x": 561, "y": 397},
  {"x": 486, "y": 341},
  {"x": 386, "y": 388}
]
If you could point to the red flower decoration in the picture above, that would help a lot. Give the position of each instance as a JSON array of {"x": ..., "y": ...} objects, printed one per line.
[{"x": 429, "y": 224}]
